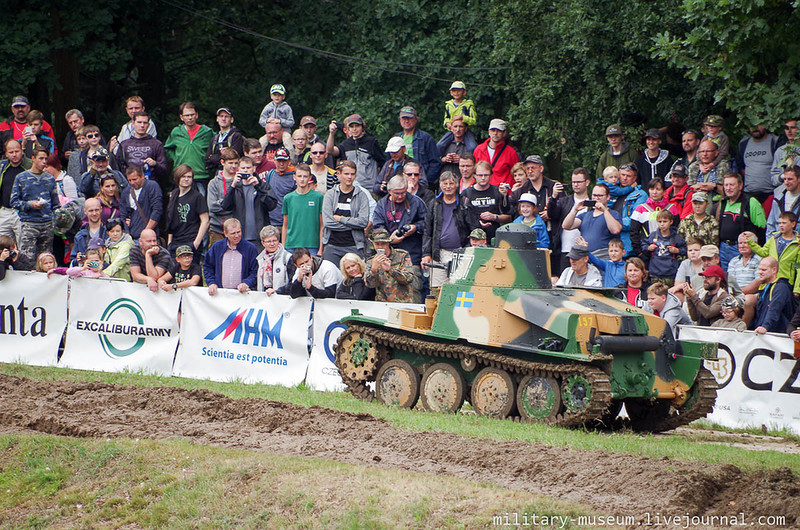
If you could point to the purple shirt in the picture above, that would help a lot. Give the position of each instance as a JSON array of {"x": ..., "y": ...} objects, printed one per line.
[{"x": 231, "y": 267}]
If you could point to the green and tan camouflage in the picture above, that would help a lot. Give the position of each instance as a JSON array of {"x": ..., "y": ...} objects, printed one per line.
[{"x": 500, "y": 335}]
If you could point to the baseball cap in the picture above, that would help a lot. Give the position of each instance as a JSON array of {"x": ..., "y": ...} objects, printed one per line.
[
  {"x": 498, "y": 124},
  {"x": 282, "y": 154},
  {"x": 678, "y": 170},
  {"x": 709, "y": 251},
  {"x": 653, "y": 133},
  {"x": 714, "y": 120},
  {"x": 534, "y": 159},
  {"x": 100, "y": 154},
  {"x": 408, "y": 112},
  {"x": 305, "y": 120},
  {"x": 277, "y": 88},
  {"x": 699, "y": 196},
  {"x": 354, "y": 118},
  {"x": 224, "y": 109},
  {"x": 380, "y": 235},
  {"x": 183, "y": 250},
  {"x": 578, "y": 252},
  {"x": 528, "y": 197},
  {"x": 478, "y": 233},
  {"x": 20, "y": 101},
  {"x": 458, "y": 84},
  {"x": 713, "y": 271},
  {"x": 613, "y": 129},
  {"x": 95, "y": 243},
  {"x": 395, "y": 144},
  {"x": 731, "y": 303}
]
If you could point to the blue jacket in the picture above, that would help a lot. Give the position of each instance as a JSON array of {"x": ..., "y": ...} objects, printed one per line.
[
  {"x": 613, "y": 271},
  {"x": 29, "y": 187},
  {"x": 664, "y": 264},
  {"x": 212, "y": 267},
  {"x": 89, "y": 185},
  {"x": 81, "y": 241},
  {"x": 414, "y": 210},
  {"x": 542, "y": 238},
  {"x": 150, "y": 202},
  {"x": 774, "y": 308},
  {"x": 625, "y": 208},
  {"x": 427, "y": 154},
  {"x": 469, "y": 142}
]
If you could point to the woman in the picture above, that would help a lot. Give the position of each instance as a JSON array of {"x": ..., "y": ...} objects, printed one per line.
[
  {"x": 275, "y": 265},
  {"x": 118, "y": 248},
  {"x": 636, "y": 284},
  {"x": 187, "y": 214},
  {"x": 109, "y": 197},
  {"x": 67, "y": 192},
  {"x": 352, "y": 286}
]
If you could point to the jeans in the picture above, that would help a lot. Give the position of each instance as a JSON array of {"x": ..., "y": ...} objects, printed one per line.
[
  {"x": 726, "y": 254},
  {"x": 334, "y": 254}
]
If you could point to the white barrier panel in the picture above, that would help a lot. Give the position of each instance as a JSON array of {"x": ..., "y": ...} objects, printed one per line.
[
  {"x": 116, "y": 326},
  {"x": 322, "y": 373},
  {"x": 249, "y": 337},
  {"x": 758, "y": 378},
  {"x": 33, "y": 315}
]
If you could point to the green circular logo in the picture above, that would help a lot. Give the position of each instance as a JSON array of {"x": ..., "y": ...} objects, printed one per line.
[{"x": 123, "y": 308}]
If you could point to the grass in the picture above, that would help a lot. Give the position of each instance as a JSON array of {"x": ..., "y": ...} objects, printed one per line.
[
  {"x": 679, "y": 447},
  {"x": 66, "y": 482}
]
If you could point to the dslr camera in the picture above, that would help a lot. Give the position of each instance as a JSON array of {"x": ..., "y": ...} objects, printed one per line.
[{"x": 403, "y": 230}]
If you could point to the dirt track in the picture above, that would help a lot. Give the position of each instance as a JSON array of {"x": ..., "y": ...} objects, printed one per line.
[{"x": 611, "y": 483}]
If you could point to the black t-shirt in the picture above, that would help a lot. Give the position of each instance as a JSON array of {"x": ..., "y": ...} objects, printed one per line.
[
  {"x": 187, "y": 219},
  {"x": 488, "y": 200},
  {"x": 343, "y": 238},
  {"x": 162, "y": 259},
  {"x": 179, "y": 275},
  {"x": 8, "y": 182}
]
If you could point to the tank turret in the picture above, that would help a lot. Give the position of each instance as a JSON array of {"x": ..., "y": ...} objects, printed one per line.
[{"x": 499, "y": 335}]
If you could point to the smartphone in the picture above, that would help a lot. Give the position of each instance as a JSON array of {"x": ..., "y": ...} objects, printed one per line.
[
  {"x": 589, "y": 204},
  {"x": 380, "y": 251}
]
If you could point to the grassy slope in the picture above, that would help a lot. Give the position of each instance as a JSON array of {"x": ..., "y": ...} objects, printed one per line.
[{"x": 675, "y": 447}]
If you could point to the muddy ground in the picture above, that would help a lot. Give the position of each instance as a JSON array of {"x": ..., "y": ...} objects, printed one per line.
[{"x": 611, "y": 483}]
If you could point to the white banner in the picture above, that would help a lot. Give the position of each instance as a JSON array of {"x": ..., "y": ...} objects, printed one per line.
[
  {"x": 322, "y": 373},
  {"x": 33, "y": 315},
  {"x": 116, "y": 326},
  {"x": 758, "y": 378},
  {"x": 250, "y": 337}
]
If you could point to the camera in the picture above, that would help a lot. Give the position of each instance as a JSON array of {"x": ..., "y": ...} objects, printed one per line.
[
  {"x": 403, "y": 230},
  {"x": 339, "y": 126},
  {"x": 505, "y": 186},
  {"x": 589, "y": 204},
  {"x": 12, "y": 254},
  {"x": 306, "y": 268},
  {"x": 94, "y": 264}
]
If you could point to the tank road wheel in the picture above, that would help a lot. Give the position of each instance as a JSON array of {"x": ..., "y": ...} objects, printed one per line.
[
  {"x": 576, "y": 393},
  {"x": 357, "y": 354},
  {"x": 442, "y": 388},
  {"x": 538, "y": 398},
  {"x": 493, "y": 393},
  {"x": 397, "y": 384}
]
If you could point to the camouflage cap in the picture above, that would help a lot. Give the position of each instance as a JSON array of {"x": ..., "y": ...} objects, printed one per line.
[
  {"x": 699, "y": 196},
  {"x": 101, "y": 153},
  {"x": 714, "y": 120},
  {"x": 731, "y": 303},
  {"x": 478, "y": 233},
  {"x": 63, "y": 219},
  {"x": 380, "y": 235},
  {"x": 183, "y": 250}
]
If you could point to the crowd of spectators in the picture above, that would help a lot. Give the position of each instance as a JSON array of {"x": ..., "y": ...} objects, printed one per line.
[{"x": 701, "y": 231}]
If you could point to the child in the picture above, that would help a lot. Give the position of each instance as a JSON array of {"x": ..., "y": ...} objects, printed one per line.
[
  {"x": 217, "y": 189},
  {"x": 613, "y": 269},
  {"x": 302, "y": 214},
  {"x": 666, "y": 248},
  {"x": 300, "y": 151},
  {"x": 520, "y": 177},
  {"x": 783, "y": 246},
  {"x": 611, "y": 179},
  {"x": 92, "y": 267},
  {"x": 699, "y": 224},
  {"x": 664, "y": 304},
  {"x": 459, "y": 106},
  {"x": 32, "y": 135},
  {"x": 45, "y": 262},
  {"x": 279, "y": 109},
  {"x": 712, "y": 127},
  {"x": 529, "y": 216},
  {"x": 74, "y": 163},
  {"x": 731, "y": 315},
  {"x": 182, "y": 272},
  {"x": 644, "y": 217}
]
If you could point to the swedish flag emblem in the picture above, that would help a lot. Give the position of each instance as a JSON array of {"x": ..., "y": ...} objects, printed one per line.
[{"x": 464, "y": 299}]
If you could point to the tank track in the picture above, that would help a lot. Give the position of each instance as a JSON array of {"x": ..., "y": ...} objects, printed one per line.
[
  {"x": 600, "y": 384},
  {"x": 707, "y": 395}
]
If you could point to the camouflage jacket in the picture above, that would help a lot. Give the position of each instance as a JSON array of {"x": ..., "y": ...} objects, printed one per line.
[
  {"x": 707, "y": 231},
  {"x": 714, "y": 175},
  {"x": 396, "y": 284}
]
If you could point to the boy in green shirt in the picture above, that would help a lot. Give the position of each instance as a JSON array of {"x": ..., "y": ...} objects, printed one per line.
[{"x": 302, "y": 214}]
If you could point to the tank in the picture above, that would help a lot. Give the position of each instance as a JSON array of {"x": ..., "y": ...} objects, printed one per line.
[{"x": 499, "y": 335}]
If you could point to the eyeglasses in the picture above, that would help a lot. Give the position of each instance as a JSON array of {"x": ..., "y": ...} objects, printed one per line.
[
  {"x": 578, "y": 182},
  {"x": 189, "y": 115},
  {"x": 596, "y": 196},
  {"x": 93, "y": 135},
  {"x": 317, "y": 152},
  {"x": 411, "y": 174}
]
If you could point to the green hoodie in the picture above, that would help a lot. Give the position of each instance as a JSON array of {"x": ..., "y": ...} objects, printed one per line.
[
  {"x": 181, "y": 150},
  {"x": 787, "y": 260}
]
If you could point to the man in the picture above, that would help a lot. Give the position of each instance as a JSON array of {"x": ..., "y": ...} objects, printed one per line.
[
  {"x": 627, "y": 205},
  {"x": 486, "y": 206},
  {"x": 11, "y": 166},
  {"x": 396, "y": 149},
  {"x": 252, "y": 148},
  {"x": 75, "y": 121},
  {"x": 580, "y": 272},
  {"x": 737, "y": 212},
  {"x": 272, "y": 139},
  {"x": 403, "y": 217},
  {"x": 144, "y": 151},
  {"x": 787, "y": 197},
  {"x": 250, "y": 200},
  {"x": 452, "y": 146},
  {"x": 99, "y": 166},
  {"x": 133, "y": 105},
  {"x": 654, "y": 161},
  {"x": 20, "y": 107},
  {"x": 309, "y": 125},
  {"x": 149, "y": 262},
  {"x": 705, "y": 305},
  {"x": 466, "y": 168},
  {"x": 314, "y": 276},
  {"x": 775, "y": 307},
  {"x": 281, "y": 180},
  {"x": 325, "y": 175},
  {"x": 618, "y": 153},
  {"x": 754, "y": 159},
  {"x": 445, "y": 228},
  {"x": 787, "y": 152},
  {"x": 599, "y": 225},
  {"x": 563, "y": 240},
  {"x": 188, "y": 143},
  {"x": 420, "y": 145},
  {"x": 93, "y": 209},
  {"x": 496, "y": 151},
  {"x": 140, "y": 203},
  {"x": 345, "y": 215},
  {"x": 544, "y": 189},
  {"x": 690, "y": 141},
  {"x": 228, "y": 136},
  {"x": 231, "y": 262},
  {"x": 390, "y": 271},
  {"x": 705, "y": 173},
  {"x": 412, "y": 171},
  {"x": 679, "y": 193},
  {"x": 359, "y": 147},
  {"x": 743, "y": 274},
  {"x": 35, "y": 198},
  {"x": 666, "y": 305}
]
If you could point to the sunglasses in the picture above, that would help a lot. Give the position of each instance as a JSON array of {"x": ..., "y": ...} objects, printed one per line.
[
  {"x": 317, "y": 152},
  {"x": 93, "y": 135}
]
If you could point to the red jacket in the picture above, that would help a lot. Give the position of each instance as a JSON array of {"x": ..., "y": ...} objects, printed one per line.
[
  {"x": 504, "y": 159},
  {"x": 16, "y": 132},
  {"x": 682, "y": 199}
]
